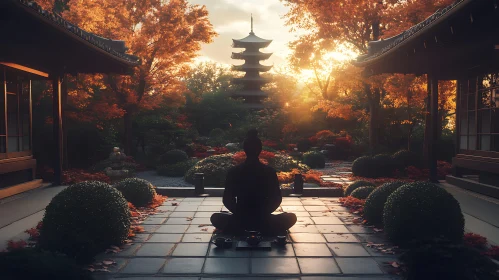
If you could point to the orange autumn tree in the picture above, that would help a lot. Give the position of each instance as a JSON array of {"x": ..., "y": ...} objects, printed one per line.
[
  {"x": 354, "y": 23},
  {"x": 165, "y": 35}
]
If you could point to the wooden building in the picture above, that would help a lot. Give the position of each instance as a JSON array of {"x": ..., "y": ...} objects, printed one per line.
[
  {"x": 39, "y": 45},
  {"x": 459, "y": 42}
]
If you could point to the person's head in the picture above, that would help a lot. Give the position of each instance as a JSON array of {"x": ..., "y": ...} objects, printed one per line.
[{"x": 252, "y": 144}]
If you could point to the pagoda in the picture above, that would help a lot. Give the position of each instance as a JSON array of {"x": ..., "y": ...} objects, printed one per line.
[{"x": 251, "y": 82}]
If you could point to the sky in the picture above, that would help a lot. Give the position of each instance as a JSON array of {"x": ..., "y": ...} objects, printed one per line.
[{"x": 231, "y": 19}]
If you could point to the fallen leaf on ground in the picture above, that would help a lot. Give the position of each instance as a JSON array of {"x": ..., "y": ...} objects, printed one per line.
[
  {"x": 395, "y": 264},
  {"x": 204, "y": 225},
  {"x": 204, "y": 229},
  {"x": 174, "y": 204},
  {"x": 378, "y": 229},
  {"x": 189, "y": 218},
  {"x": 108, "y": 262}
]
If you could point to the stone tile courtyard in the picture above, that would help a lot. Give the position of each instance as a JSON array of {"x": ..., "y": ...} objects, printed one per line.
[{"x": 324, "y": 244}]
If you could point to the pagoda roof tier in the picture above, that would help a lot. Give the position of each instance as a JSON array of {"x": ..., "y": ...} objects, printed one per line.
[
  {"x": 246, "y": 67},
  {"x": 256, "y": 93},
  {"x": 249, "y": 80},
  {"x": 251, "y": 40},
  {"x": 245, "y": 55}
]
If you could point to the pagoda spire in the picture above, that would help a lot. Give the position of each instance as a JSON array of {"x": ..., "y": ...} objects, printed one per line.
[
  {"x": 251, "y": 82},
  {"x": 252, "y": 25}
]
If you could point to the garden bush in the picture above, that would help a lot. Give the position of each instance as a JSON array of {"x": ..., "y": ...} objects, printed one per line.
[
  {"x": 441, "y": 259},
  {"x": 285, "y": 163},
  {"x": 84, "y": 220},
  {"x": 137, "y": 191},
  {"x": 304, "y": 145},
  {"x": 30, "y": 263},
  {"x": 357, "y": 184},
  {"x": 375, "y": 202},
  {"x": 215, "y": 170},
  {"x": 403, "y": 159},
  {"x": 176, "y": 170},
  {"x": 363, "y": 167},
  {"x": 173, "y": 157},
  {"x": 422, "y": 211},
  {"x": 382, "y": 165},
  {"x": 314, "y": 160},
  {"x": 362, "y": 192}
]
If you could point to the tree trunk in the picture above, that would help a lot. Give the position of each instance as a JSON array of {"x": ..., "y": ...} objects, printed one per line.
[
  {"x": 426, "y": 143},
  {"x": 128, "y": 120},
  {"x": 64, "y": 106},
  {"x": 373, "y": 99}
]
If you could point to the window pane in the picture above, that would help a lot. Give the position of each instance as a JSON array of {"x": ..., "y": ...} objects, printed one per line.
[
  {"x": 472, "y": 123},
  {"x": 485, "y": 99},
  {"x": 13, "y": 144},
  {"x": 12, "y": 124},
  {"x": 472, "y": 143},
  {"x": 494, "y": 126},
  {"x": 495, "y": 143},
  {"x": 471, "y": 102},
  {"x": 464, "y": 123},
  {"x": 2, "y": 145},
  {"x": 484, "y": 121},
  {"x": 485, "y": 142},
  {"x": 25, "y": 116},
  {"x": 464, "y": 143},
  {"x": 495, "y": 98}
]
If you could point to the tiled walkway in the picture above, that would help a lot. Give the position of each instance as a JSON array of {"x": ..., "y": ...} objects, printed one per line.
[{"x": 324, "y": 244}]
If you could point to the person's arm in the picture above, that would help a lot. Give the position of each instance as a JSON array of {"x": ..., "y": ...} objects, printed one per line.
[
  {"x": 229, "y": 198},
  {"x": 275, "y": 198}
]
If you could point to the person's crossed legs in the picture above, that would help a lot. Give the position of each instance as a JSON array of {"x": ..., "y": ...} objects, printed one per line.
[{"x": 271, "y": 224}]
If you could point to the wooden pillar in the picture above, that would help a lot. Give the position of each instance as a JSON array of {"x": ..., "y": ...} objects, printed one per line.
[
  {"x": 432, "y": 156},
  {"x": 427, "y": 127},
  {"x": 64, "y": 105},
  {"x": 57, "y": 128}
]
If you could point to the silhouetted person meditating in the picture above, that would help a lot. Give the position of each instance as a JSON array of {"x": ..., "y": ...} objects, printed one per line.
[{"x": 252, "y": 193}]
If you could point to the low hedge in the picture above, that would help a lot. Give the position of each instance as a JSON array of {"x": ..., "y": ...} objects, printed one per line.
[
  {"x": 139, "y": 192},
  {"x": 173, "y": 157},
  {"x": 375, "y": 202},
  {"x": 84, "y": 220},
  {"x": 176, "y": 170},
  {"x": 314, "y": 160},
  {"x": 363, "y": 167},
  {"x": 357, "y": 184},
  {"x": 422, "y": 211},
  {"x": 362, "y": 192}
]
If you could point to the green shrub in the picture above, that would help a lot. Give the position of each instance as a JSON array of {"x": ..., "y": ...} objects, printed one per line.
[
  {"x": 215, "y": 170},
  {"x": 173, "y": 157},
  {"x": 382, "y": 165},
  {"x": 422, "y": 211},
  {"x": 362, "y": 192},
  {"x": 269, "y": 149},
  {"x": 176, "y": 170},
  {"x": 375, "y": 202},
  {"x": 363, "y": 167},
  {"x": 304, "y": 145},
  {"x": 30, "y": 263},
  {"x": 137, "y": 191},
  {"x": 285, "y": 163},
  {"x": 84, "y": 220},
  {"x": 357, "y": 184},
  {"x": 403, "y": 159},
  {"x": 314, "y": 160},
  {"x": 441, "y": 259},
  {"x": 217, "y": 137}
]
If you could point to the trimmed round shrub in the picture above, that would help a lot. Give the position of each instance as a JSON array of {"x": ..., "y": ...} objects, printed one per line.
[
  {"x": 84, "y": 220},
  {"x": 364, "y": 167},
  {"x": 375, "y": 202},
  {"x": 441, "y": 259},
  {"x": 403, "y": 159},
  {"x": 173, "y": 157},
  {"x": 285, "y": 163},
  {"x": 30, "y": 263},
  {"x": 137, "y": 191},
  {"x": 382, "y": 165},
  {"x": 422, "y": 211},
  {"x": 357, "y": 184},
  {"x": 362, "y": 192},
  {"x": 215, "y": 170},
  {"x": 314, "y": 159},
  {"x": 176, "y": 170}
]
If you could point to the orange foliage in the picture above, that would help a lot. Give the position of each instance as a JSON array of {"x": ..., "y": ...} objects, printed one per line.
[
  {"x": 157, "y": 201},
  {"x": 353, "y": 204},
  {"x": 16, "y": 245},
  {"x": 74, "y": 176},
  {"x": 265, "y": 156}
]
